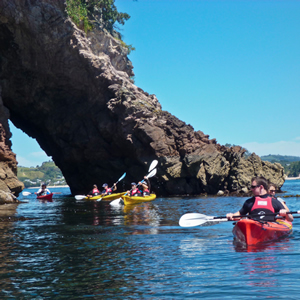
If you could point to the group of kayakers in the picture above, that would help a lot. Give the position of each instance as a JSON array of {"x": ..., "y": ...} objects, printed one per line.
[
  {"x": 140, "y": 189},
  {"x": 106, "y": 190},
  {"x": 263, "y": 205}
]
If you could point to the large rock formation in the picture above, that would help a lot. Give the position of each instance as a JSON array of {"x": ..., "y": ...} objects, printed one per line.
[
  {"x": 9, "y": 183},
  {"x": 73, "y": 93}
]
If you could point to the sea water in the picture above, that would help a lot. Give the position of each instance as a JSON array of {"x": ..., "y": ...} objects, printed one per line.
[{"x": 68, "y": 249}]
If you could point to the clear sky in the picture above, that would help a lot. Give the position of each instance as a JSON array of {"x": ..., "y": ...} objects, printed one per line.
[{"x": 228, "y": 68}]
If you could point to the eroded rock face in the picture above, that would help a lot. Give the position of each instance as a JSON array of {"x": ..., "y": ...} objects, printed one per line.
[
  {"x": 9, "y": 183},
  {"x": 72, "y": 92}
]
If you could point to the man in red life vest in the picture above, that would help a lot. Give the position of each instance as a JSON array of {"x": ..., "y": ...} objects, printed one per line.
[
  {"x": 134, "y": 190},
  {"x": 107, "y": 190},
  {"x": 94, "y": 191},
  {"x": 261, "y": 203}
]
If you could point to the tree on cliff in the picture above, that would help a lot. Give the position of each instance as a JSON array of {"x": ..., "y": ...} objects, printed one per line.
[{"x": 102, "y": 12}]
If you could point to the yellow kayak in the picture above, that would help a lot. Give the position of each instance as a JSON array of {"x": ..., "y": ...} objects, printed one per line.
[
  {"x": 107, "y": 197},
  {"x": 137, "y": 199}
]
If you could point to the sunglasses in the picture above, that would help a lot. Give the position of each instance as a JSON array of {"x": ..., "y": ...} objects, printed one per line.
[
  {"x": 254, "y": 186},
  {"x": 272, "y": 191}
]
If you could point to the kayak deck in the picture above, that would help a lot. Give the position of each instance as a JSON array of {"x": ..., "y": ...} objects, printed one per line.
[
  {"x": 252, "y": 232},
  {"x": 137, "y": 199},
  {"x": 107, "y": 197},
  {"x": 46, "y": 197}
]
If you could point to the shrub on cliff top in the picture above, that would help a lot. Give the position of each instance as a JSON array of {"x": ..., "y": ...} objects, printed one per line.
[{"x": 104, "y": 13}]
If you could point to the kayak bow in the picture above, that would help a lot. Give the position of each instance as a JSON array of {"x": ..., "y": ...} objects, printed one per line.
[
  {"x": 252, "y": 232},
  {"x": 137, "y": 199}
]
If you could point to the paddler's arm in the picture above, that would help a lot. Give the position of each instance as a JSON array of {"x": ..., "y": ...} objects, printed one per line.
[
  {"x": 230, "y": 216},
  {"x": 288, "y": 217}
]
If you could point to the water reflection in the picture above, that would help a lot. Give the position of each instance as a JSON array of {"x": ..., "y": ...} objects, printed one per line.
[
  {"x": 265, "y": 263},
  {"x": 77, "y": 250}
]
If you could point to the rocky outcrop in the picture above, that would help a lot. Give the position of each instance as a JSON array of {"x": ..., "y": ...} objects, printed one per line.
[
  {"x": 9, "y": 183},
  {"x": 73, "y": 93}
]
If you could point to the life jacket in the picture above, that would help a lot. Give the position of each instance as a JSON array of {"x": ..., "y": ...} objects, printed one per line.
[
  {"x": 43, "y": 192},
  {"x": 108, "y": 191},
  {"x": 146, "y": 192},
  {"x": 261, "y": 207},
  {"x": 95, "y": 192},
  {"x": 135, "y": 192}
]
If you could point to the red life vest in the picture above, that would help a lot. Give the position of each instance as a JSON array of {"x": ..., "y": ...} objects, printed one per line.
[
  {"x": 96, "y": 192},
  {"x": 135, "y": 192},
  {"x": 108, "y": 191},
  {"x": 262, "y": 206},
  {"x": 146, "y": 192}
]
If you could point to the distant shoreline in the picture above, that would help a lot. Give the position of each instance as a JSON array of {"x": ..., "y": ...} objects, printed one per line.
[
  {"x": 49, "y": 186},
  {"x": 292, "y": 178}
]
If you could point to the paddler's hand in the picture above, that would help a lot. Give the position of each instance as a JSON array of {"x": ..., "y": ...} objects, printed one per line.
[
  {"x": 288, "y": 217},
  {"x": 229, "y": 216},
  {"x": 282, "y": 212}
]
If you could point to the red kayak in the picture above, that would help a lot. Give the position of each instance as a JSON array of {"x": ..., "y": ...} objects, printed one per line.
[
  {"x": 45, "y": 197},
  {"x": 252, "y": 232}
]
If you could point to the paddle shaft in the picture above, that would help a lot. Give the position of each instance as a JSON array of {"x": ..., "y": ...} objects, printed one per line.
[
  {"x": 249, "y": 216},
  {"x": 196, "y": 219}
]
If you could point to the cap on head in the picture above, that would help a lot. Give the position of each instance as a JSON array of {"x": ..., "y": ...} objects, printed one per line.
[
  {"x": 105, "y": 185},
  {"x": 133, "y": 183}
]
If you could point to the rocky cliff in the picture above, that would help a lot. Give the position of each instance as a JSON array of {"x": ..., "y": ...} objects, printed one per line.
[{"x": 73, "y": 93}]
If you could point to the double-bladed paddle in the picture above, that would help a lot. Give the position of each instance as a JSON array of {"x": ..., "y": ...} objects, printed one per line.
[
  {"x": 80, "y": 197},
  {"x": 196, "y": 219},
  {"x": 28, "y": 193}
]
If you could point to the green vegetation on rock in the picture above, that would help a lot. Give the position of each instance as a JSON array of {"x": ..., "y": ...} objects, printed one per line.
[
  {"x": 102, "y": 13},
  {"x": 48, "y": 172},
  {"x": 291, "y": 164}
]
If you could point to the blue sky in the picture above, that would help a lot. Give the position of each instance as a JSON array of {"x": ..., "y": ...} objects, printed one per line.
[{"x": 228, "y": 68}]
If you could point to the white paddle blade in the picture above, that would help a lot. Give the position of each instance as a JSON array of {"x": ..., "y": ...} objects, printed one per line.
[
  {"x": 152, "y": 173},
  {"x": 98, "y": 200},
  {"x": 26, "y": 193},
  {"x": 153, "y": 165},
  {"x": 79, "y": 197},
  {"x": 116, "y": 202},
  {"x": 193, "y": 219}
]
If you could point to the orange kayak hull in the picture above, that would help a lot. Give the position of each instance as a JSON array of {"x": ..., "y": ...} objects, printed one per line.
[{"x": 252, "y": 232}]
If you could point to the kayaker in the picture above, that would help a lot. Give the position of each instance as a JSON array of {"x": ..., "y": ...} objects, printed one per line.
[
  {"x": 272, "y": 190},
  {"x": 145, "y": 186},
  {"x": 43, "y": 190},
  {"x": 261, "y": 203},
  {"x": 94, "y": 191},
  {"x": 107, "y": 190},
  {"x": 134, "y": 190}
]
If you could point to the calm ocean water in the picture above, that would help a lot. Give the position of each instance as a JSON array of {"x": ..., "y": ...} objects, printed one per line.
[{"x": 68, "y": 249}]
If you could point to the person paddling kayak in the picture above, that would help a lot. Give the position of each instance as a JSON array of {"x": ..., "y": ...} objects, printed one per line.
[
  {"x": 145, "y": 186},
  {"x": 261, "y": 203},
  {"x": 272, "y": 190},
  {"x": 107, "y": 190},
  {"x": 134, "y": 190},
  {"x": 43, "y": 190},
  {"x": 94, "y": 191}
]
